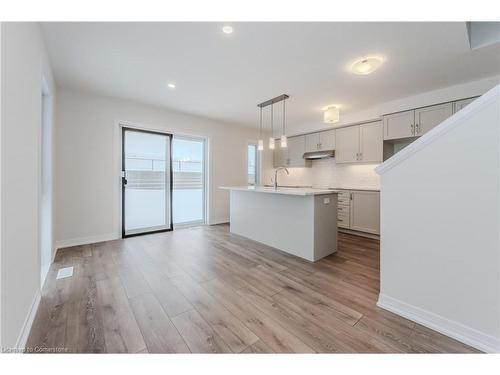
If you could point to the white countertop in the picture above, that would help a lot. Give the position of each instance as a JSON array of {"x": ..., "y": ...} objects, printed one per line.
[{"x": 281, "y": 190}]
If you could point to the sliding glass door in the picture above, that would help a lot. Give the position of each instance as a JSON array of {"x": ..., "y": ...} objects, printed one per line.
[
  {"x": 189, "y": 180},
  {"x": 146, "y": 182}
]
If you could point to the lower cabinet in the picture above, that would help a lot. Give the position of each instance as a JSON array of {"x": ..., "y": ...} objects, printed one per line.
[{"x": 359, "y": 211}]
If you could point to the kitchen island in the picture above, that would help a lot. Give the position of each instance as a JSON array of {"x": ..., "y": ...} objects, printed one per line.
[{"x": 298, "y": 221}]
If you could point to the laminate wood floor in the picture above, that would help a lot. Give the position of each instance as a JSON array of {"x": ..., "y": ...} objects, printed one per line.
[{"x": 205, "y": 290}]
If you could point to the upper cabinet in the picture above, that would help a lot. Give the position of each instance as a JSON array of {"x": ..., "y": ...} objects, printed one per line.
[
  {"x": 359, "y": 143},
  {"x": 429, "y": 117},
  {"x": 399, "y": 125},
  {"x": 327, "y": 140},
  {"x": 293, "y": 155},
  {"x": 312, "y": 142},
  {"x": 458, "y": 105},
  {"x": 417, "y": 122},
  {"x": 371, "y": 142},
  {"x": 347, "y": 150},
  {"x": 321, "y": 141},
  {"x": 296, "y": 148}
]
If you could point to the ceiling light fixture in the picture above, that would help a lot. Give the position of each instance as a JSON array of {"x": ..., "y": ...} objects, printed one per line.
[
  {"x": 366, "y": 65},
  {"x": 331, "y": 115},
  {"x": 283, "y": 139},
  {"x": 260, "y": 146},
  {"x": 271, "y": 138},
  {"x": 227, "y": 29},
  {"x": 272, "y": 141},
  {"x": 171, "y": 85}
]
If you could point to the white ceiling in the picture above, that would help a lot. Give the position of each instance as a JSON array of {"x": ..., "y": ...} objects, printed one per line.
[{"x": 223, "y": 76}]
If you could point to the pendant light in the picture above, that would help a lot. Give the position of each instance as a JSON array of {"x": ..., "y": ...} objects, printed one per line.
[
  {"x": 260, "y": 145},
  {"x": 283, "y": 136},
  {"x": 271, "y": 138}
]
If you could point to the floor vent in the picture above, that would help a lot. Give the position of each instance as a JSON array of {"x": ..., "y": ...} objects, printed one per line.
[{"x": 64, "y": 272}]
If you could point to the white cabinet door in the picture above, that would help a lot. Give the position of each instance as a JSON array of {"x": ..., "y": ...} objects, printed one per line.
[
  {"x": 429, "y": 117},
  {"x": 327, "y": 140},
  {"x": 296, "y": 149},
  {"x": 312, "y": 142},
  {"x": 371, "y": 142},
  {"x": 399, "y": 125},
  {"x": 280, "y": 156},
  {"x": 347, "y": 145},
  {"x": 457, "y": 106},
  {"x": 365, "y": 211}
]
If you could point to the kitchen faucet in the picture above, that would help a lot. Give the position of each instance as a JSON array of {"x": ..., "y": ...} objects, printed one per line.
[{"x": 276, "y": 175}]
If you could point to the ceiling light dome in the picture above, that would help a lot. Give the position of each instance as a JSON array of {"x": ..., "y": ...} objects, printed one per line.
[
  {"x": 366, "y": 65},
  {"x": 227, "y": 29},
  {"x": 331, "y": 115}
]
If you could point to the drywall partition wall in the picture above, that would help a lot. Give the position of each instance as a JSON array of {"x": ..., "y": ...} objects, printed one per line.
[
  {"x": 24, "y": 62},
  {"x": 440, "y": 205},
  {"x": 445, "y": 94},
  {"x": 88, "y": 160}
]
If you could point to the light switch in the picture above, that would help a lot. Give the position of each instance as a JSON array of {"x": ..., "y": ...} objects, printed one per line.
[{"x": 326, "y": 200}]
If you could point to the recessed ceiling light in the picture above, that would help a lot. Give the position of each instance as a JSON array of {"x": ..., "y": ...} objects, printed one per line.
[
  {"x": 366, "y": 65},
  {"x": 171, "y": 85},
  {"x": 227, "y": 29}
]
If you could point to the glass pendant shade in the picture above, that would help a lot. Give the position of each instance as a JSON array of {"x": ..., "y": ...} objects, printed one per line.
[
  {"x": 271, "y": 143},
  {"x": 260, "y": 145},
  {"x": 283, "y": 141}
]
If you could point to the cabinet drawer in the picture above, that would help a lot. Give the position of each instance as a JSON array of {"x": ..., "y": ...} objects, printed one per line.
[
  {"x": 343, "y": 221},
  {"x": 344, "y": 200},
  {"x": 343, "y": 209},
  {"x": 344, "y": 195}
]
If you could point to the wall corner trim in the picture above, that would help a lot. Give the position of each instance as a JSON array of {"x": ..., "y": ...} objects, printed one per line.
[
  {"x": 453, "y": 329},
  {"x": 28, "y": 322}
]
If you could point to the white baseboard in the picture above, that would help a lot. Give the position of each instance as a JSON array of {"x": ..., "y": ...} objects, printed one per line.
[
  {"x": 85, "y": 240},
  {"x": 358, "y": 233},
  {"x": 28, "y": 322},
  {"x": 453, "y": 329},
  {"x": 219, "y": 221}
]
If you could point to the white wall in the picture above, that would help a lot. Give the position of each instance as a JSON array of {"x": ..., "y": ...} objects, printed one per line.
[
  {"x": 88, "y": 160},
  {"x": 440, "y": 206},
  {"x": 23, "y": 64}
]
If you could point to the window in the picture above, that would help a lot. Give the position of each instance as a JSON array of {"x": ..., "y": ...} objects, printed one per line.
[
  {"x": 253, "y": 165},
  {"x": 188, "y": 164}
]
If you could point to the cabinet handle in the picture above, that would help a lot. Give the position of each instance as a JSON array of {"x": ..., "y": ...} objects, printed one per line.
[
  {"x": 412, "y": 127},
  {"x": 350, "y": 196},
  {"x": 360, "y": 156},
  {"x": 417, "y": 129}
]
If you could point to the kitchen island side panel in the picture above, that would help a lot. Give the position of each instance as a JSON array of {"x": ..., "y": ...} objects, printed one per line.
[{"x": 285, "y": 222}]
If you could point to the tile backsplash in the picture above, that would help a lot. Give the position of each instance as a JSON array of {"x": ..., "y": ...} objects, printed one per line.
[{"x": 326, "y": 173}]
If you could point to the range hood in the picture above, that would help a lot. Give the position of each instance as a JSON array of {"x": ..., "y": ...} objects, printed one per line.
[{"x": 315, "y": 155}]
